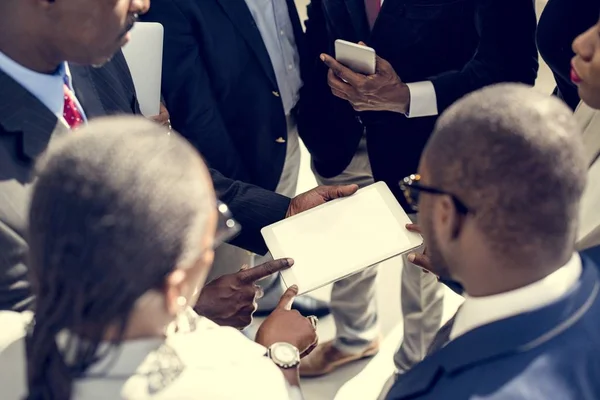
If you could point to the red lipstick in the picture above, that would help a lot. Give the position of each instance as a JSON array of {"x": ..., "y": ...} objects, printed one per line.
[{"x": 575, "y": 76}]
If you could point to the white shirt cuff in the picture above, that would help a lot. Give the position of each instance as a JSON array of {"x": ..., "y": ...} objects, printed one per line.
[{"x": 423, "y": 101}]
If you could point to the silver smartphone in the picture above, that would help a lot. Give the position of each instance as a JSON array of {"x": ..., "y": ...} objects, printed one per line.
[{"x": 358, "y": 58}]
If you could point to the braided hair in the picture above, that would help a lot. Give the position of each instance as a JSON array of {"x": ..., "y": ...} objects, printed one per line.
[{"x": 116, "y": 207}]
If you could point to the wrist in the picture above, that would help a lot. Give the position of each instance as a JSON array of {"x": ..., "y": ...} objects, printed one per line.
[
  {"x": 292, "y": 375},
  {"x": 401, "y": 98},
  {"x": 284, "y": 355}
]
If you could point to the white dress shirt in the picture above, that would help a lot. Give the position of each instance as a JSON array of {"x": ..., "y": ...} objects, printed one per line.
[
  {"x": 200, "y": 361},
  {"x": 479, "y": 311},
  {"x": 47, "y": 88},
  {"x": 273, "y": 21},
  {"x": 423, "y": 100}
]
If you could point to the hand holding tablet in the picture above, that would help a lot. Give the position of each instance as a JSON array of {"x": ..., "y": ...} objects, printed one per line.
[{"x": 342, "y": 237}]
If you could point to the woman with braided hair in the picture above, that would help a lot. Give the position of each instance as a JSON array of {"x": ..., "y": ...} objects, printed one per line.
[{"x": 123, "y": 224}]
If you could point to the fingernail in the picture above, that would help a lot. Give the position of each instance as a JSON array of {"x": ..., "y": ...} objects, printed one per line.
[
  {"x": 411, "y": 257},
  {"x": 290, "y": 261},
  {"x": 294, "y": 288},
  {"x": 322, "y": 57}
]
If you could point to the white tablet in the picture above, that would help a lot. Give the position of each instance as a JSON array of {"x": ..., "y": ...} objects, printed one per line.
[
  {"x": 342, "y": 237},
  {"x": 143, "y": 54}
]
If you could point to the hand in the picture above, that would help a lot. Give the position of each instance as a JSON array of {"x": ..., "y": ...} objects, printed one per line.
[
  {"x": 289, "y": 326},
  {"x": 318, "y": 196},
  {"x": 231, "y": 299},
  {"x": 420, "y": 260},
  {"x": 382, "y": 91},
  {"x": 163, "y": 118}
]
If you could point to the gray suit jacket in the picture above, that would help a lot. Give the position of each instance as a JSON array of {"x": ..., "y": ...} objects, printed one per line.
[{"x": 27, "y": 128}]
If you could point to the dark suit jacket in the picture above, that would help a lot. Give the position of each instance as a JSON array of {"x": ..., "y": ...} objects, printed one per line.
[
  {"x": 593, "y": 254},
  {"x": 26, "y": 128},
  {"x": 459, "y": 45},
  {"x": 220, "y": 87},
  {"x": 550, "y": 353}
]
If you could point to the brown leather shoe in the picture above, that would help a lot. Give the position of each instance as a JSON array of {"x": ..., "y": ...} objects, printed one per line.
[{"x": 326, "y": 358}]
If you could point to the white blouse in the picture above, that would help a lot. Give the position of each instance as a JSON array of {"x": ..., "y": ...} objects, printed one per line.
[{"x": 200, "y": 361}]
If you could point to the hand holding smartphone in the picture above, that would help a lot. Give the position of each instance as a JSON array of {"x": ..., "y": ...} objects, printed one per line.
[{"x": 361, "y": 59}]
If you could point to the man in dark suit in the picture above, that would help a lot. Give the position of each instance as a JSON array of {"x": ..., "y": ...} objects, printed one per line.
[
  {"x": 224, "y": 88},
  {"x": 232, "y": 87},
  {"x": 363, "y": 128},
  {"x": 40, "y": 99},
  {"x": 528, "y": 328}
]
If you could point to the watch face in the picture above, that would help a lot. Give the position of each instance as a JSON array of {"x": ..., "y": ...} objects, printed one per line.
[{"x": 284, "y": 354}]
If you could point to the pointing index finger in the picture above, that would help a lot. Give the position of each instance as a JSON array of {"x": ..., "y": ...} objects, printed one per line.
[{"x": 257, "y": 273}]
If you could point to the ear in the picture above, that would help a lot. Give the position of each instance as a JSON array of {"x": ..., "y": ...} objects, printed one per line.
[
  {"x": 175, "y": 289},
  {"x": 450, "y": 219}
]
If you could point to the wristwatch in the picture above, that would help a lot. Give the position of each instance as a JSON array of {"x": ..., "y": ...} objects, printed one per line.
[{"x": 284, "y": 355}]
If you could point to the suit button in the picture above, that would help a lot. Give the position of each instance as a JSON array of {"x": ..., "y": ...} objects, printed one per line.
[
  {"x": 280, "y": 140},
  {"x": 276, "y": 94}
]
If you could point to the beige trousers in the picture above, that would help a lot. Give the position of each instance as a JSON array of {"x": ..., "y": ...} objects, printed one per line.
[{"x": 353, "y": 299}]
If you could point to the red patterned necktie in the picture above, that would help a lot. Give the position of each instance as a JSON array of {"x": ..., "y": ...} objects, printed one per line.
[
  {"x": 70, "y": 111},
  {"x": 372, "y": 7}
]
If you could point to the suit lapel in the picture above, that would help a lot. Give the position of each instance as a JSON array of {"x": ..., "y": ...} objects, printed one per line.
[
  {"x": 240, "y": 16},
  {"x": 353, "y": 13},
  {"x": 358, "y": 16},
  {"x": 21, "y": 112},
  {"x": 497, "y": 340},
  {"x": 86, "y": 91}
]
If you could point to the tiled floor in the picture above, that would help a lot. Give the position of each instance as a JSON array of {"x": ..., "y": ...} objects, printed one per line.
[{"x": 388, "y": 291}]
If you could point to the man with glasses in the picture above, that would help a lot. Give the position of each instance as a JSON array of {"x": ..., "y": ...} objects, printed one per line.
[
  {"x": 498, "y": 195},
  {"x": 362, "y": 128}
]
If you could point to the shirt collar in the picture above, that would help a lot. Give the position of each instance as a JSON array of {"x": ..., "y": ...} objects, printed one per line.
[
  {"x": 47, "y": 88},
  {"x": 478, "y": 311}
]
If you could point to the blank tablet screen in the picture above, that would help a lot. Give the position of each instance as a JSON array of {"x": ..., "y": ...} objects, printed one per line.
[{"x": 341, "y": 238}]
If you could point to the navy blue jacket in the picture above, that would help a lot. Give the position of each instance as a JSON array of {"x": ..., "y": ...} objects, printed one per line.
[{"x": 549, "y": 354}]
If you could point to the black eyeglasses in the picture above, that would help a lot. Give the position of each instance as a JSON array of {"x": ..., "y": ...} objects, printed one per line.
[
  {"x": 411, "y": 188},
  {"x": 227, "y": 227}
]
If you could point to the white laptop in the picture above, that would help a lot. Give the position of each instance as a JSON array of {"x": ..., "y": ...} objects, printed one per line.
[
  {"x": 341, "y": 238},
  {"x": 144, "y": 58}
]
